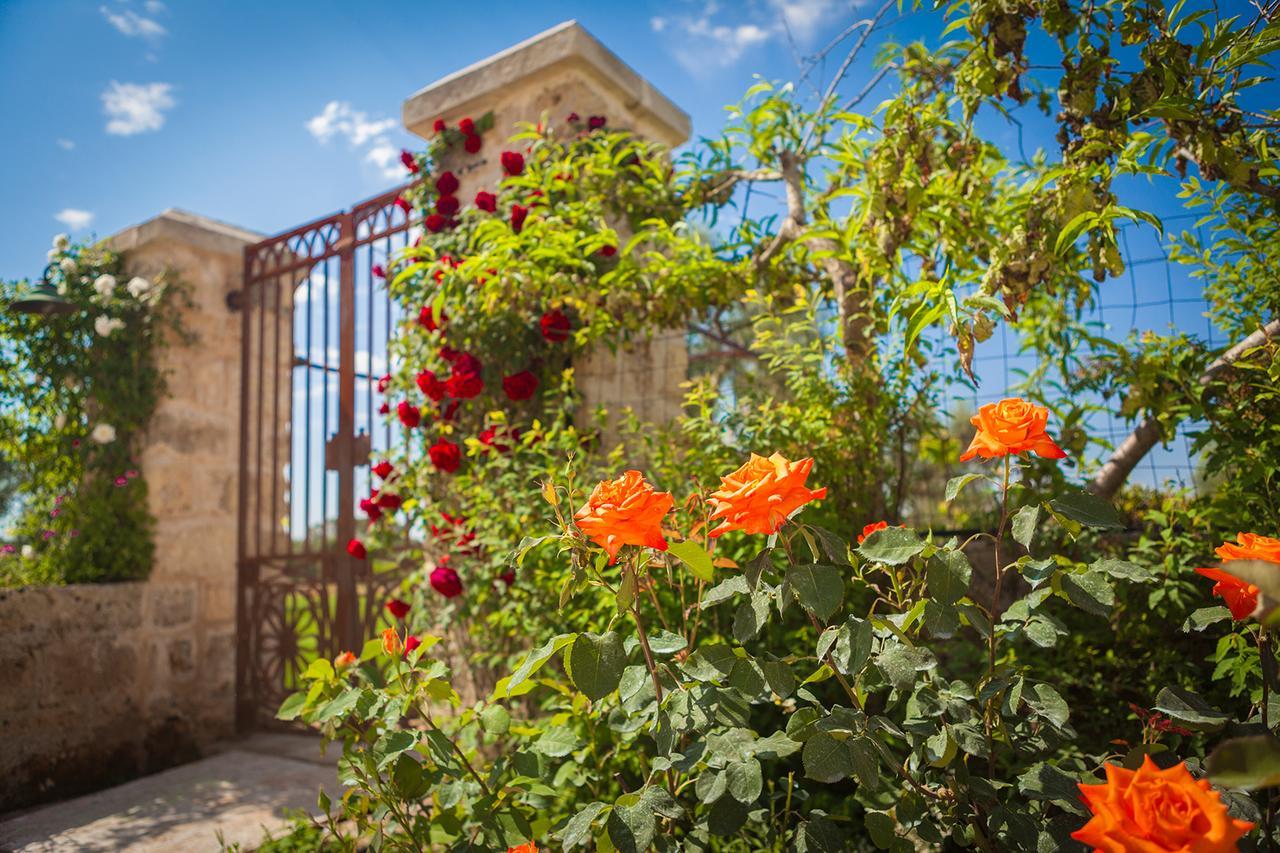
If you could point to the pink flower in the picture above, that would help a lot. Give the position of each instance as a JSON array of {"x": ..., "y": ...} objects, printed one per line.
[
  {"x": 512, "y": 162},
  {"x": 48, "y": 534},
  {"x": 409, "y": 162},
  {"x": 121, "y": 481}
]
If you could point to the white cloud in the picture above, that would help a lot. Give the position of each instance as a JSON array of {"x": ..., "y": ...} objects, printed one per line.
[
  {"x": 74, "y": 219},
  {"x": 708, "y": 38},
  {"x": 155, "y": 7},
  {"x": 136, "y": 108},
  {"x": 131, "y": 24},
  {"x": 66, "y": 144},
  {"x": 658, "y": 23},
  {"x": 386, "y": 157},
  {"x": 805, "y": 17},
  {"x": 339, "y": 119}
]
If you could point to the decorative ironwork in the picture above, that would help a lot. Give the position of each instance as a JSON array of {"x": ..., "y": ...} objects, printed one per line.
[{"x": 315, "y": 324}]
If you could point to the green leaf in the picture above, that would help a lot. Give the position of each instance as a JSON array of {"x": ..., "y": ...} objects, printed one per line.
[
  {"x": 391, "y": 744},
  {"x": 556, "y": 742},
  {"x": 892, "y": 546},
  {"x": 751, "y": 616},
  {"x": 666, "y": 643},
  {"x": 338, "y": 706},
  {"x": 292, "y": 707},
  {"x": 594, "y": 663},
  {"x": 631, "y": 826},
  {"x": 1090, "y": 591},
  {"x": 744, "y": 780},
  {"x": 723, "y": 591},
  {"x": 495, "y": 719},
  {"x": 900, "y": 663},
  {"x": 819, "y": 835},
  {"x": 1046, "y": 782},
  {"x": 853, "y": 646},
  {"x": 1024, "y": 525},
  {"x": 826, "y": 758},
  {"x": 320, "y": 668},
  {"x": 1089, "y": 510},
  {"x": 695, "y": 557},
  {"x": 819, "y": 588},
  {"x": 948, "y": 574},
  {"x": 956, "y": 484},
  {"x": 1189, "y": 709},
  {"x": 1246, "y": 762},
  {"x": 1204, "y": 617},
  {"x": 1123, "y": 570},
  {"x": 533, "y": 662}
]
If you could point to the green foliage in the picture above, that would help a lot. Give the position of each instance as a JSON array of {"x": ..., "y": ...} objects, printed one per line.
[{"x": 75, "y": 399}]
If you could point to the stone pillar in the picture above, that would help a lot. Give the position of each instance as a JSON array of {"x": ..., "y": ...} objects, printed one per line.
[
  {"x": 190, "y": 460},
  {"x": 563, "y": 70}
]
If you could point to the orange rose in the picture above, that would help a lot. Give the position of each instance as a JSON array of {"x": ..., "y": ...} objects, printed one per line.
[
  {"x": 1152, "y": 809},
  {"x": 391, "y": 642},
  {"x": 872, "y": 528},
  {"x": 1011, "y": 426},
  {"x": 625, "y": 511},
  {"x": 344, "y": 660},
  {"x": 762, "y": 494},
  {"x": 1240, "y": 596},
  {"x": 524, "y": 848}
]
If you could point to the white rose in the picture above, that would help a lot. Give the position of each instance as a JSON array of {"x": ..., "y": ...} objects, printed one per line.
[
  {"x": 104, "y": 285},
  {"x": 138, "y": 286},
  {"x": 28, "y": 552},
  {"x": 68, "y": 265},
  {"x": 105, "y": 325},
  {"x": 61, "y": 241},
  {"x": 103, "y": 434},
  {"x": 52, "y": 255},
  {"x": 62, "y": 288}
]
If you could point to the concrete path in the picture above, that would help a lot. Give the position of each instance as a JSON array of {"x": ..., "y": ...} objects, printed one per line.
[{"x": 241, "y": 792}]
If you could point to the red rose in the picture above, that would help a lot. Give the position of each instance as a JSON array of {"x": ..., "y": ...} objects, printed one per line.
[
  {"x": 449, "y": 353},
  {"x": 431, "y": 386},
  {"x": 520, "y": 386},
  {"x": 409, "y": 414},
  {"x": 447, "y": 183},
  {"x": 410, "y": 643},
  {"x": 403, "y": 205},
  {"x": 467, "y": 126},
  {"x": 555, "y": 326},
  {"x": 398, "y": 608},
  {"x": 512, "y": 162},
  {"x": 409, "y": 162},
  {"x": 486, "y": 201},
  {"x": 489, "y": 438},
  {"x": 439, "y": 126},
  {"x": 466, "y": 363},
  {"x": 445, "y": 581},
  {"x": 464, "y": 385},
  {"x": 427, "y": 320},
  {"x": 370, "y": 508},
  {"x": 383, "y": 469},
  {"x": 385, "y": 408},
  {"x": 508, "y": 577},
  {"x": 378, "y": 271},
  {"x": 608, "y": 251},
  {"x": 383, "y": 383},
  {"x": 595, "y": 122},
  {"x": 445, "y": 455},
  {"x": 447, "y": 205},
  {"x": 471, "y": 144},
  {"x": 573, "y": 118},
  {"x": 356, "y": 549},
  {"x": 435, "y": 223},
  {"x": 389, "y": 500},
  {"x": 518, "y": 213}
]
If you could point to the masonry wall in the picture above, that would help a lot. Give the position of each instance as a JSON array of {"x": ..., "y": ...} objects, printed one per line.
[{"x": 103, "y": 683}]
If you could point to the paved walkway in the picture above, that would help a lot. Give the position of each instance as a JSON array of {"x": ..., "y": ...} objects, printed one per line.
[{"x": 242, "y": 792}]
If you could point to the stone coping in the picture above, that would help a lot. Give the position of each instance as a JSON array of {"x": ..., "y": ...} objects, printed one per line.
[
  {"x": 470, "y": 90},
  {"x": 181, "y": 226}
]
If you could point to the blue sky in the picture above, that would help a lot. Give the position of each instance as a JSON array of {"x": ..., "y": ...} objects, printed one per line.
[{"x": 123, "y": 108}]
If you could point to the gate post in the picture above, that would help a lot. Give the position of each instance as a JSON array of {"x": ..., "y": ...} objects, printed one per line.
[{"x": 345, "y": 565}]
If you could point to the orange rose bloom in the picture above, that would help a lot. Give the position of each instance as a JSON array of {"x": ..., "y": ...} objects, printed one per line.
[
  {"x": 524, "y": 848},
  {"x": 1011, "y": 426},
  {"x": 762, "y": 494},
  {"x": 625, "y": 511},
  {"x": 1240, "y": 596},
  {"x": 871, "y": 528},
  {"x": 1152, "y": 809},
  {"x": 344, "y": 660},
  {"x": 391, "y": 642}
]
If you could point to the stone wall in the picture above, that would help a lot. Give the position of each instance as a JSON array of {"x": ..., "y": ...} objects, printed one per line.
[{"x": 103, "y": 683}]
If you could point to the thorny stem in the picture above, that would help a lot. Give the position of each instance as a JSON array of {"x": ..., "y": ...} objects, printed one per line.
[
  {"x": 644, "y": 644},
  {"x": 995, "y": 608}
]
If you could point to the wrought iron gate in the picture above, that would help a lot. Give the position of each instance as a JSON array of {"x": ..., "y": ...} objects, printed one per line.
[{"x": 316, "y": 319}]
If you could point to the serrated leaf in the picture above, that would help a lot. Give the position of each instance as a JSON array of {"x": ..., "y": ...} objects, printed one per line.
[
  {"x": 948, "y": 573},
  {"x": 594, "y": 663},
  {"x": 1123, "y": 570},
  {"x": 1024, "y": 525},
  {"x": 1089, "y": 591},
  {"x": 826, "y": 758},
  {"x": 1189, "y": 709},
  {"x": 1089, "y": 510},
  {"x": 892, "y": 546},
  {"x": 556, "y": 742},
  {"x": 819, "y": 588},
  {"x": 695, "y": 557},
  {"x": 292, "y": 707},
  {"x": 723, "y": 591},
  {"x": 956, "y": 484}
]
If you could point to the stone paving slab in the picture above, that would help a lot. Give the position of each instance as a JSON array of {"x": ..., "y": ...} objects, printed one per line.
[{"x": 241, "y": 792}]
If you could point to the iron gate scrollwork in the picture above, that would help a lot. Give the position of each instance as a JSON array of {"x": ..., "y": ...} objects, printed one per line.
[{"x": 316, "y": 320}]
